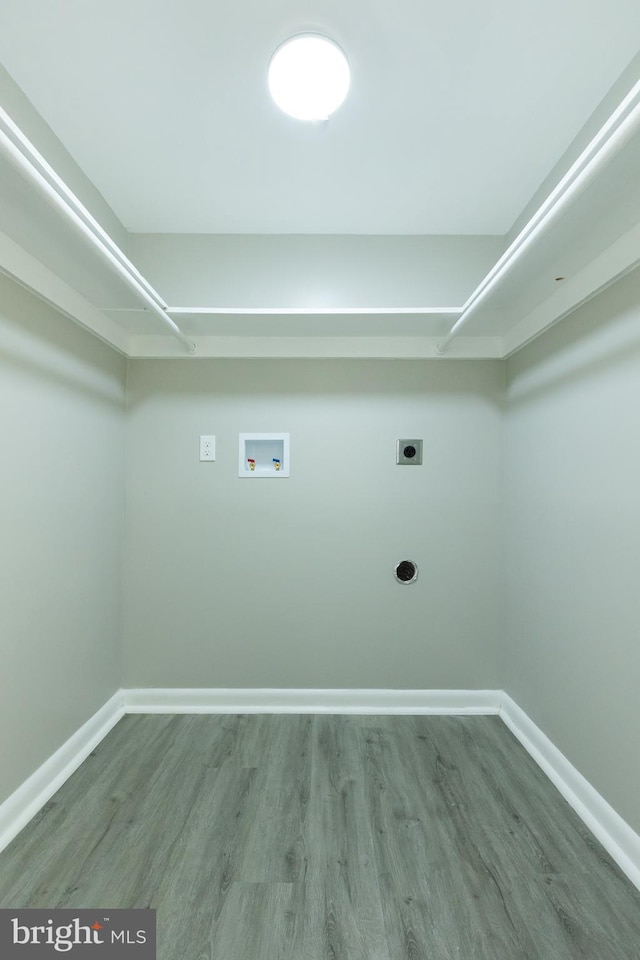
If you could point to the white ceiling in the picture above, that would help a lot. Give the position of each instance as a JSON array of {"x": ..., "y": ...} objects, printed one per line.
[
  {"x": 461, "y": 119},
  {"x": 457, "y": 111}
]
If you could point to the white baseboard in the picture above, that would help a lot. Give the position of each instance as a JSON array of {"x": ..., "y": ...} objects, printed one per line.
[
  {"x": 615, "y": 835},
  {"x": 31, "y": 796},
  {"x": 254, "y": 700}
]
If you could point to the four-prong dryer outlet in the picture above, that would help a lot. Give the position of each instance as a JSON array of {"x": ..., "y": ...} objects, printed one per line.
[{"x": 409, "y": 453}]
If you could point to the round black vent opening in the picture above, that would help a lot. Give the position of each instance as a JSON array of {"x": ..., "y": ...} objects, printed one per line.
[{"x": 406, "y": 571}]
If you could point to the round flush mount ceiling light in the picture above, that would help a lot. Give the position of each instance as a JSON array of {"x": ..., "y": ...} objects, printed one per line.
[{"x": 309, "y": 77}]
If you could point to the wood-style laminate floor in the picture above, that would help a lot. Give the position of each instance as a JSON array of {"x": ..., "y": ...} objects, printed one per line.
[{"x": 327, "y": 838}]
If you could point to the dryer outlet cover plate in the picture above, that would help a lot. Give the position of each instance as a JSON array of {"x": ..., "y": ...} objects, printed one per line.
[{"x": 409, "y": 453}]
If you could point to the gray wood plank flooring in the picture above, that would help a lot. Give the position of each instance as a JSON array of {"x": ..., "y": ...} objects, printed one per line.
[{"x": 327, "y": 838}]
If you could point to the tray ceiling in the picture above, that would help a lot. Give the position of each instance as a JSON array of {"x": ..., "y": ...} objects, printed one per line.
[{"x": 460, "y": 120}]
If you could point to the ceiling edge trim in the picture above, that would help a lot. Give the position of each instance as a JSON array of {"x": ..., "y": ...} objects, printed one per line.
[
  {"x": 22, "y": 267},
  {"x": 610, "y": 138},
  {"x": 388, "y": 348},
  {"x": 33, "y": 165},
  {"x": 611, "y": 265},
  {"x": 313, "y": 311}
]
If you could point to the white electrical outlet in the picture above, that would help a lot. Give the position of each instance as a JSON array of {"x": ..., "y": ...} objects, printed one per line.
[{"x": 207, "y": 448}]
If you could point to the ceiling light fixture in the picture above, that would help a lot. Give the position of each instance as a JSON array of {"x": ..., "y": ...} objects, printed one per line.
[{"x": 309, "y": 77}]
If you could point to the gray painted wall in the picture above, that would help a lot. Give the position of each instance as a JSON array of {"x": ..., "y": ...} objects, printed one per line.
[
  {"x": 573, "y": 521},
  {"x": 289, "y": 583},
  {"x": 62, "y": 413}
]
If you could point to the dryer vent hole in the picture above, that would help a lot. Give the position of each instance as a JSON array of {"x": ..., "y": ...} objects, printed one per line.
[{"x": 406, "y": 571}]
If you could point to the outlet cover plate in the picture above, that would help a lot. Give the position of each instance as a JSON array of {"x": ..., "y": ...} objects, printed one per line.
[{"x": 207, "y": 448}]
